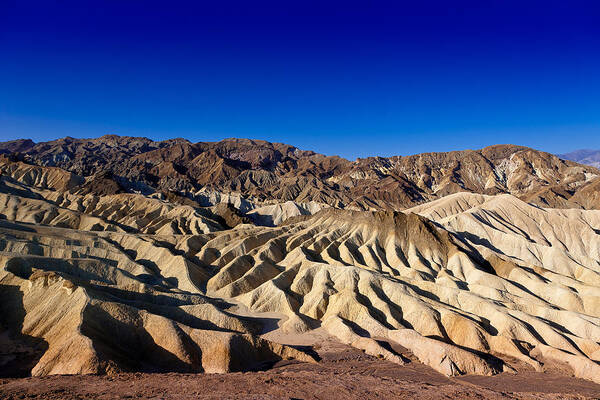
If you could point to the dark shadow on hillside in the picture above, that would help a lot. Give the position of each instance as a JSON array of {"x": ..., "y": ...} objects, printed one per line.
[
  {"x": 19, "y": 353},
  {"x": 132, "y": 347}
]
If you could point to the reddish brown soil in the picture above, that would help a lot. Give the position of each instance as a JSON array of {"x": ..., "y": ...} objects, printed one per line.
[{"x": 343, "y": 373}]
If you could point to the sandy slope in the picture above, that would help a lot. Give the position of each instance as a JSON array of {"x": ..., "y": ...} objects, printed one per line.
[{"x": 468, "y": 284}]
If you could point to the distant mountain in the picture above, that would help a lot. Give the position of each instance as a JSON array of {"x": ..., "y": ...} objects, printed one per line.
[
  {"x": 280, "y": 172},
  {"x": 584, "y": 156},
  {"x": 211, "y": 269}
]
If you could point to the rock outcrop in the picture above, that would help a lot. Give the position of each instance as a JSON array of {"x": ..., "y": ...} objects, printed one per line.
[
  {"x": 475, "y": 282},
  {"x": 264, "y": 171}
]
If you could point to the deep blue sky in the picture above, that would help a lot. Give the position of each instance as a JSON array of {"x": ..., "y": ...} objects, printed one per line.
[{"x": 390, "y": 78}]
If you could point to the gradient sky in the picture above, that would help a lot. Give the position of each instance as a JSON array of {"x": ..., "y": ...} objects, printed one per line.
[{"x": 393, "y": 78}]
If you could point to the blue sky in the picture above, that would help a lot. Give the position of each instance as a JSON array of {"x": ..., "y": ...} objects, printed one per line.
[{"x": 390, "y": 78}]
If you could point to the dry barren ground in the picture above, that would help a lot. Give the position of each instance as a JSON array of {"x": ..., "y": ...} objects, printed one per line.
[
  {"x": 343, "y": 373},
  {"x": 490, "y": 297}
]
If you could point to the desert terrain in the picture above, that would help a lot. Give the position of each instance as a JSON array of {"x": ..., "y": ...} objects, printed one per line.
[
  {"x": 246, "y": 269},
  {"x": 342, "y": 372}
]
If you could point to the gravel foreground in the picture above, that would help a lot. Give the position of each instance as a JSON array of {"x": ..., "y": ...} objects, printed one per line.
[{"x": 343, "y": 373}]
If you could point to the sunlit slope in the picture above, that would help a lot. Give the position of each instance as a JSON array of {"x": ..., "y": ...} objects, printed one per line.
[
  {"x": 398, "y": 276},
  {"x": 469, "y": 283},
  {"x": 86, "y": 303}
]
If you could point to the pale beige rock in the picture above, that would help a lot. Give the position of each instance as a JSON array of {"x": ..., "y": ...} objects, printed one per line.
[{"x": 467, "y": 283}]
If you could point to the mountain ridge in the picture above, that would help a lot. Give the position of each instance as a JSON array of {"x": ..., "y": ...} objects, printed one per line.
[
  {"x": 583, "y": 156},
  {"x": 277, "y": 171},
  {"x": 96, "y": 279}
]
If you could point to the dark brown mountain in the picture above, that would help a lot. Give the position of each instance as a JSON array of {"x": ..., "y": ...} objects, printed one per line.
[
  {"x": 19, "y": 145},
  {"x": 267, "y": 171}
]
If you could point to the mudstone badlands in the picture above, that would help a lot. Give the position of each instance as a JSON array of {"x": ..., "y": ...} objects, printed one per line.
[{"x": 123, "y": 254}]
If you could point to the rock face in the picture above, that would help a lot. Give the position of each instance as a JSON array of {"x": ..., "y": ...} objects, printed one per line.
[
  {"x": 274, "y": 171},
  {"x": 75, "y": 301},
  {"x": 99, "y": 281}
]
